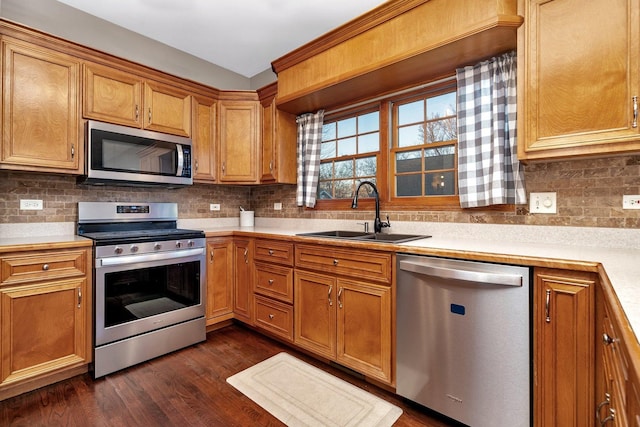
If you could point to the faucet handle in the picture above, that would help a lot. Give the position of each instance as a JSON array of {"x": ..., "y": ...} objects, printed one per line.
[
  {"x": 386, "y": 224},
  {"x": 366, "y": 226}
]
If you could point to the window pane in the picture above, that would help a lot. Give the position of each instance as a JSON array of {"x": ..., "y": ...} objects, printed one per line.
[
  {"x": 441, "y": 106},
  {"x": 438, "y": 184},
  {"x": 346, "y": 127},
  {"x": 327, "y": 150},
  {"x": 439, "y": 158},
  {"x": 346, "y": 147},
  {"x": 366, "y": 167},
  {"x": 441, "y": 130},
  {"x": 329, "y": 131},
  {"x": 411, "y": 113},
  {"x": 365, "y": 190},
  {"x": 325, "y": 190},
  {"x": 343, "y": 189},
  {"x": 344, "y": 169},
  {"x": 409, "y": 185},
  {"x": 409, "y": 161},
  {"x": 410, "y": 135},
  {"x": 369, "y": 122},
  {"x": 326, "y": 170},
  {"x": 368, "y": 143}
]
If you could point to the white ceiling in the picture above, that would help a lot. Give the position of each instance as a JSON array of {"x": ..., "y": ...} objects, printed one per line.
[{"x": 243, "y": 36}]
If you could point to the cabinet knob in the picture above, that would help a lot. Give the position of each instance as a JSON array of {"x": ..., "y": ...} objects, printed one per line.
[
  {"x": 606, "y": 339},
  {"x": 45, "y": 267},
  {"x": 270, "y": 251},
  {"x": 335, "y": 262},
  {"x": 270, "y": 281},
  {"x": 271, "y": 316}
]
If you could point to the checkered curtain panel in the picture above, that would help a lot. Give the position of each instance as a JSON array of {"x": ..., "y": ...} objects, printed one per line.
[
  {"x": 309, "y": 140},
  {"x": 489, "y": 172}
]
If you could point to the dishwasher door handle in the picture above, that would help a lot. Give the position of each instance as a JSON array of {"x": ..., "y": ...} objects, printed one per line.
[{"x": 460, "y": 274}]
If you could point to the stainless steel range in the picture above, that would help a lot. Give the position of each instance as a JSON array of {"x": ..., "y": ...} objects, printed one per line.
[{"x": 149, "y": 282}]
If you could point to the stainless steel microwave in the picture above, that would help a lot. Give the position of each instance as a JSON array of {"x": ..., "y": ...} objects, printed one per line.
[{"x": 120, "y": 155}]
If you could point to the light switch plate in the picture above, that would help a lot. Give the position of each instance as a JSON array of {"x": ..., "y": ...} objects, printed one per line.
[{"x": 543, "y": 203}]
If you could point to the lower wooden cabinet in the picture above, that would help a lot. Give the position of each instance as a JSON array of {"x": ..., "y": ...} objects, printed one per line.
[
  {"x": 344, "y": 320},
  {"x": 243, "y": 280},
  {"x": 45, "y": 318},
  {"x": 564, "y": 331},
  {"x": 219, "y": 279}
]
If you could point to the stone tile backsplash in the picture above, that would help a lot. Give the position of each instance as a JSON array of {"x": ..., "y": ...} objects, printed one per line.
[{"x": 589, "y": 194}]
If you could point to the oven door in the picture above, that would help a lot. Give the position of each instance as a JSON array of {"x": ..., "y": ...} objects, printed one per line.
[{"x": 141, "y": 293}]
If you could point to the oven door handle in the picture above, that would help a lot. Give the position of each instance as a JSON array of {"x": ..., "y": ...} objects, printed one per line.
[{"x": 132, "y": 259}]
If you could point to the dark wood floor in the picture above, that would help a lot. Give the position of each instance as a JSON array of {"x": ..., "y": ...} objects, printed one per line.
[{"x": 185, "y": 388}]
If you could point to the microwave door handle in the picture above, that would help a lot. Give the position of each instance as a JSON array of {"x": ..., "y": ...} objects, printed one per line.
[{"x": 180, "y": 160}]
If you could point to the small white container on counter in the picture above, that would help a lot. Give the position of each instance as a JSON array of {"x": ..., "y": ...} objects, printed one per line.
[{"x": 246, "y": 219}]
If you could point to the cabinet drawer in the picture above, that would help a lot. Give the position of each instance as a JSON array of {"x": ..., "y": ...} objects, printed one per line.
[
  {"x": 274, "y": 251},
  {"x": 274, "y": 281},
  {"x": 30, "y": 267},
  {"x": 361, "y": 264},
  {"x": 275, "y": 317}
]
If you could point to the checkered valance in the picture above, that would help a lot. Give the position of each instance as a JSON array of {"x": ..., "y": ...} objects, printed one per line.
[
  {"x": 309, "y": 141},
  {"x": 489, "y": 172}
]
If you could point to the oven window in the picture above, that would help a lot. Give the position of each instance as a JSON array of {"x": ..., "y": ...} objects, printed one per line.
[{"x": 136, "y": 294}]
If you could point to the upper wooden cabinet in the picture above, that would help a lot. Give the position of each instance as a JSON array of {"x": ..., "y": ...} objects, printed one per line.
[
  {"x": 239, "y": 138},
  {"x": 40, "y": 102},
  {"x": 203, "y": 136},
  {"x": 279, "y": 134},
  {"x": 399, "y": 44},
  {"x": 578, "y": 76},
  {"x": 120, "y": 97}
]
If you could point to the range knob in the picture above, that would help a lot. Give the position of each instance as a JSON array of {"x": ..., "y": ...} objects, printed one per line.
[
  {"x": 134, "y": 248},
  {"x": 157, "y": 246},
  {"x": 178, "y": 244},
  {"x": 117, "y": 250},
  {"x": 191, "y": 243}
]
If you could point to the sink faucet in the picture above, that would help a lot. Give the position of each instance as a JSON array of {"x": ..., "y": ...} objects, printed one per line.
[{"x": 377, "y": 223}]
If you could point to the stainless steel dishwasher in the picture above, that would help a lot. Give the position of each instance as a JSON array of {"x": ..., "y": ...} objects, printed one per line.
[{"x": 463, "y": 339}]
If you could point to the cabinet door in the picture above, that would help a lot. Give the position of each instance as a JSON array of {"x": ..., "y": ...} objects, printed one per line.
[
  {"x": 314, "y": 313},
  {"x": 578, "y": 73},
  {"x": 40, "y": 103},
  {"x": 239, "y": 141},
  {"x": 243, "y": 287},
  {"x": 43, "y": 328},
  {"x": 219, "y": 280},
  {"x": 279, "y": 136},
  {"x": 167, "y": 109},
  {"x": 364, "y": 328},
  {"x": 564, "y": 325},
  {"x": 112, "y": 95},
  {"x": 203, "y": 137}
]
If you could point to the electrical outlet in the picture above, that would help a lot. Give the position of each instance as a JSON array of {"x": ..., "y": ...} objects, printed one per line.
[
  {"x": 543, "y": 203},
  {"x": 30, "y": 205},
  {"x": 277, "y": 206},
  {"x": 631, "y": 202},
  {"x": 214, "y": 207}
]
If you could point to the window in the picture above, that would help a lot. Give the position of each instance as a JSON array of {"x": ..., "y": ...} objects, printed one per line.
[
  {"x": 349, "y": 154},
  {"x": 405, "y": 144},
  {"x": 423, "y": 152}
]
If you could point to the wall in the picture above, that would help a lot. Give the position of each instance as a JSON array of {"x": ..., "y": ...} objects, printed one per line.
[
  {"x": 72, "y": 24},
  {"x": 61, "y": 194},
  {"x": 589, "y": 195}
]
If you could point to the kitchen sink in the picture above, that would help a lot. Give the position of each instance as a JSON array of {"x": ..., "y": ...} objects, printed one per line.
[{"x": 369, "y": 237}]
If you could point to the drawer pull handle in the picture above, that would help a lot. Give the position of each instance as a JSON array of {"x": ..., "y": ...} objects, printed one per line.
[
  {"x": 611, "y": 417},
  {"x": 270, "y": 251},
  {"x": 45, "y": 267},
  {"x": 335, "y": 262},
  {"x": 329, "y": 295},
  {"x": 79, "y": 297},
  {"x": 605, "y": 402},
  {"x": 270, "y": 281},
  {"x": 635, "y": 112},
  {"x": 246, "y": 256},
  {"x": 271, "y": 316},
  {"x": 340, "y": 297}
]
